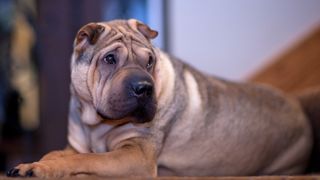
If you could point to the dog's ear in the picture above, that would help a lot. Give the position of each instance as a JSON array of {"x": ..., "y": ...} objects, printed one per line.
[
  {"x": 147, "y": 31},
  {"x": 90, "y": 33},
  {"x": 143, "y": 29}
]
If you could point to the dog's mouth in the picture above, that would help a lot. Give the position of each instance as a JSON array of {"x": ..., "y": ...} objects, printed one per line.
[
  {"x": 103, "y": 115},
  {"x": 107, "y": 120},
  {"x": 144, "y": 114},
  {"x": 138, "y": 112}
]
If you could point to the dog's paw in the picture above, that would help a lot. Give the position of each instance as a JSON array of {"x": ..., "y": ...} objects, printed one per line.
[
  {"x": 42, "y": 169},
  {"x": 14, "y": 172}
]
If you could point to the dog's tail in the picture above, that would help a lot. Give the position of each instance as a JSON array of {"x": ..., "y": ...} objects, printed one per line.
[{"x": 310, "y": 101}]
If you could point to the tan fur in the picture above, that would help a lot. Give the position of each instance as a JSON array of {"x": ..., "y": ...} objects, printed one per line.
[{"x": 202, "y": 126}]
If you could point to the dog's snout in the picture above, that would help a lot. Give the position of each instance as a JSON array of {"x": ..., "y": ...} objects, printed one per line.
[{"x": 142, "y": 88}]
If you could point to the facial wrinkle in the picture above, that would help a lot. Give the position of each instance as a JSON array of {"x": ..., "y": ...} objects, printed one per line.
[
  {"x": 101, "y": 87},
  {"x": 90, "y": 77},
  {"x": 127, "y": 39},
  {"x": 140, "y": 42}
]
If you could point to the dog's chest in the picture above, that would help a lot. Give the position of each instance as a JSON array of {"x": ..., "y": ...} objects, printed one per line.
[
  {"x": 98, "y": 138},
  {"x": 86, "y": 139},
  {"x": 102, "y": 137}
]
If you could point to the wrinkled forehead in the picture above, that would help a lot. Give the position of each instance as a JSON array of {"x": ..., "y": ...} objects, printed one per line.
[{"x": 122, "y": 31}]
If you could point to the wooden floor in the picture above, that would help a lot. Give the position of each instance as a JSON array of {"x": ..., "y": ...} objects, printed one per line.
[{"x": 2, "y": 177}]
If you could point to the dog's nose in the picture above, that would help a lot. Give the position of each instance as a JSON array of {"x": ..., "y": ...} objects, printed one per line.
[{"x": 142, "y": 88}]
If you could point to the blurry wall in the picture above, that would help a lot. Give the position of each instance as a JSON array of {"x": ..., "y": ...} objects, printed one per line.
[
  {"x": 151, "y": 12},
  {"x": 233, "y": 39}
]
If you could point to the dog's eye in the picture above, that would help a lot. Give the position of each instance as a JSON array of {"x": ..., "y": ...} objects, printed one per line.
[
  {"x": 110, "y": 59},
  {"x": 150, "y": 62}
]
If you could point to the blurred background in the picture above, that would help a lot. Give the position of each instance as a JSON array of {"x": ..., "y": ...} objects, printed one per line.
[{"x": 265, "y": 41}]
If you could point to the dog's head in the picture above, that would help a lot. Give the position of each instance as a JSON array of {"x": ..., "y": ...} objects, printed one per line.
[{"x": 113, "y": 67}]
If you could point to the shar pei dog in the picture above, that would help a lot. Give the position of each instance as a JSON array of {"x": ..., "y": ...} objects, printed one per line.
[{"x": 137, "y": 111}]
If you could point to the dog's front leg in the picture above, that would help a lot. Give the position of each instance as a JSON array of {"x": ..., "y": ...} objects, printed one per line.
[
  {"x": 58, "y": 154},
  {"x": 134, "y": 157}
]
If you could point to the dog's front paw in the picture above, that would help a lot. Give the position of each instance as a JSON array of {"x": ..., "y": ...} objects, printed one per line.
[{"x": 42, "y": 169}]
